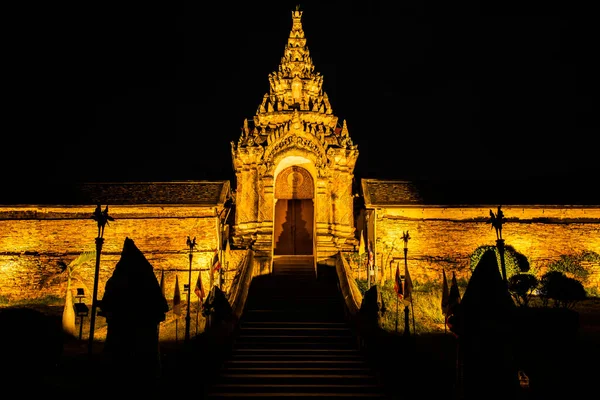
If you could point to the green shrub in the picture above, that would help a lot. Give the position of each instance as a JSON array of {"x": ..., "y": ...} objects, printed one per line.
[
  {"x": 514, "y": 262},
  {"x": 362, "y": 286},
  {"x": 522, "y": 287},
  {"x": 590, "y": 256},
  {"x": 571, "y": 265},
  {"x": 564, "y": 291},
  {"x": 4, "y": 300}
]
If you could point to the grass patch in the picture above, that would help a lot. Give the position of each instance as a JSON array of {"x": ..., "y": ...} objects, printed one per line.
[
  {"x": 426, "y": 308},
  {"x": 50, "y": 300},
  {"x": 428, "y": 317}
]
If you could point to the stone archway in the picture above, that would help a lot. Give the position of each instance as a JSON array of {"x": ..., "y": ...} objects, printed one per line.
[{"x": 293, "y": 222}]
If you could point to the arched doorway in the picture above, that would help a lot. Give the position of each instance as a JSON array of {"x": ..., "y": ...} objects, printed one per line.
[{"x": 293, "y": 227}]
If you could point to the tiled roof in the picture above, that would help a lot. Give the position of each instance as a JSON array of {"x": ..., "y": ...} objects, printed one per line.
[
  {"x": 205, "y": 193},
  {"x": 389, "y": 193},
  {"x": 134, "y": 193},
  {"x": 383, "y": 192}
]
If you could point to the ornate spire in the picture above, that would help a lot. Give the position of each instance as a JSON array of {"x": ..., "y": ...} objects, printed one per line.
[
  {"x": 296, "y": 59},
  {"x": 295, "y": 88}
]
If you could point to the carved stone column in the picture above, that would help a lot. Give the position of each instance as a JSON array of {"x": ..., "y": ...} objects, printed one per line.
[
  {"x": 264, "y": 233},
  {"x": 246, "y": 164},
  {"x": 323, "y": 219},
  {"x": 343, "y": 207}
]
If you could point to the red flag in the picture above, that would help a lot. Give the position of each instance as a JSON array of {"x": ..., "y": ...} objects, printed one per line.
[
  {"x": 370, "y": 264},
  {"x": 177, "y": 298},
  {"x": 371, "y": 259},
  {"x": 445, "y": 293},
  {"x": 216, "y": 264},
  {"x": 398, "y": 283},
  {"x": 408, "y": 285},
  {"x": 199, "y": 290}
]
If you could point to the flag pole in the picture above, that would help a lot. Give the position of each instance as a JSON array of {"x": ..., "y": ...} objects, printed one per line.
[
  {"x": 397, "y": 301},
  {"x": 405, "y": 238},
  {"x": 102, "y": 218},
  {"x": 176, "y": 306},
  {"x": 191, "y": 244},
  {"x": 412, "y": 310},
  {"x": 162, "y": 290},
  {"x": 399, "y": 289},
  {"x": 198, "y": 313}
]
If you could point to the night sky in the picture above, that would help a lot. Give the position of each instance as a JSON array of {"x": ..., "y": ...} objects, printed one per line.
[{"x": 108, "y": 91}]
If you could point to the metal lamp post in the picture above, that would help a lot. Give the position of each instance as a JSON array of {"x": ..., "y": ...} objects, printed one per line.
[
  {"x": 405, "y": 238},
  {"x": 102, "y": 218},
  {"x": 81, "y": 310},
  {"x": 191, "y": 244},
  {"x": 497, "y": 221}
]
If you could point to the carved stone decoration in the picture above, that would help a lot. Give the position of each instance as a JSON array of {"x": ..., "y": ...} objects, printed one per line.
[
  {"x": 241, "y": 213},
  {"x": 322, "y": 168},
  {"x": 303, "y": 143},
  {"x": 297, "y": 90},
  {"x": 294, "y": 183},
  {"x": 260, "y": 191},
  {"x": 262, "y": 170}
]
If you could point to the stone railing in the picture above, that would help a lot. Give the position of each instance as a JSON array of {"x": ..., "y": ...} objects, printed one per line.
[
  {"x": 348, "y": 286},
  {"x": 223, "y": 316},
  {"x": 362, "y": 312},
  {"x": 238, "y": 292}
]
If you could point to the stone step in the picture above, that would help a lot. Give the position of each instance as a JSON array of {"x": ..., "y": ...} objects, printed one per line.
[
  {"x": 362, "y": 370},
  {"x": 340, "y": 363},
  {"x": 319, "y": 310},
  {"x": 274, "y": 328},
  {"x": 296, "y": 395},
  {"x": 307, "y": 314},
  {"x": 277, "y": 300},
  {"x": 293, "y": 378},
  {"x": 293, "y": 352},
  {"x": 293, "y": 324},
  {"x": 245, "y": 356},
  {"x": 297, "y": 313},
  {"x": 300, "y": 266},
  {"x": 290, "y": 299},
  {"x": 293, "y": 341},
  {"x": 313, "y": 344},
  {"x": 311, "y": 389},
  {"x": 297, "y": 285},
  {"x": 299, "y": 271}
]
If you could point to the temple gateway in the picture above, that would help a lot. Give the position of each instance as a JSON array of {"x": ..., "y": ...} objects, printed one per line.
[{"x": 294, "y": 164}]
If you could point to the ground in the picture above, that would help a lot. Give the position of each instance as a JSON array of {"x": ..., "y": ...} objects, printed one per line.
[{"x": 559, "y": 368}]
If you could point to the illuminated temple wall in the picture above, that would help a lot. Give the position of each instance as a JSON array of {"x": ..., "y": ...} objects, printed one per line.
[
  {"x": 34, "y": 239},
  {"x": 444, "y": 237}
]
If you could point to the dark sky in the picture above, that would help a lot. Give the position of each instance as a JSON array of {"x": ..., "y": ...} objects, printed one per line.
[{"x": 108, "y": 91}]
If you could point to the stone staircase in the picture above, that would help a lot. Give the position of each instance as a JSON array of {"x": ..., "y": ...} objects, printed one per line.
[{"x": 293, "y": 341}]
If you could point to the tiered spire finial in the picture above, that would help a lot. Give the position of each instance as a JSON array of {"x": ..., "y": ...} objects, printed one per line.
[{"x": 295, "y": 88}]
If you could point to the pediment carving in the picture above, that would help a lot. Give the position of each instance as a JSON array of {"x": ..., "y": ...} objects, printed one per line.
[{"x": 294, "y": 183}]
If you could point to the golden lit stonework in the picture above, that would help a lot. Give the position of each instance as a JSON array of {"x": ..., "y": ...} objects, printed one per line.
[
  {"x": 294, "y": 196},
  {"x": 295, "y": 127}
]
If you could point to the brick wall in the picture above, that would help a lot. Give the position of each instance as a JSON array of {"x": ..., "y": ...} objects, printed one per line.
[
  {"x": 445, "y": 237},
  {"x": 34, "y": 239}
]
